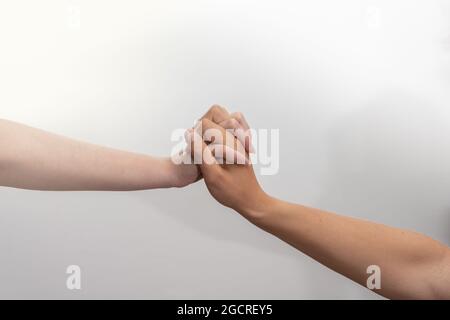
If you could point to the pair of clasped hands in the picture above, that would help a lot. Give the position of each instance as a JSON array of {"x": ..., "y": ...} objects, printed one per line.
[
  {"x": 411, "y": 265},
  {"x": 219, "y": 147}
]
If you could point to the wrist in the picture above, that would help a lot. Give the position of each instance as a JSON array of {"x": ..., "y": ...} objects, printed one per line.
[
  {"x": 171, "y": 173},
  {"x": 179, "y": 175},
  {"x": 261, "y": 209}
]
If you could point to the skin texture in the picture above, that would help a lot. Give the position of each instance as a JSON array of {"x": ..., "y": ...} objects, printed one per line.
[
  {"x": 38, "y": 160},
  {"x": 413, "y": 266}
]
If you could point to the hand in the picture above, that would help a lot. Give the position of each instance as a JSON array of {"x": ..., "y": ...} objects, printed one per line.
[
  {"x": 233, "y": 185},
  {"x": 216, "y": 117},
  {"x": 234, "y": 123},
  {"x": 181, "y": 174}
]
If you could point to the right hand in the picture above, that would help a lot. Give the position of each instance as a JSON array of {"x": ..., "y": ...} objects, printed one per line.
[{"x": 232, "y": 185}]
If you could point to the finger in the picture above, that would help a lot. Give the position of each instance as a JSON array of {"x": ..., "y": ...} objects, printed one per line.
[
  {"x": 246, "y": 136},
  {"x": 230, "y": 123},
  {"x": 238, "y": 131},
  {"x": 194, "y": 145},
  {"x": 212, "y": 132},
  {"x": 236, "y": 120},
  {"x": 226, "y": 155},
  {"x": 187, "y": 136},
  {"x": 203, "y": 157},
  {"x": 239, "y": 116},
  {"x": 215, "y": 134},
  {"x": 217, "y": 114},
  {"x": 187, "y": 139}
]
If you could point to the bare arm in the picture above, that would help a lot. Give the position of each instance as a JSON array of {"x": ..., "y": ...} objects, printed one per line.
[
  {"x": 412, "y": 265},
  {"x": 35, "y": 159}
]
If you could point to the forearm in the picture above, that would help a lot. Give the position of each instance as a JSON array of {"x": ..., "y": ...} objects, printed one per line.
[
  {"x": 35, "y": 159},
  {"x": 412, "y": 265}
]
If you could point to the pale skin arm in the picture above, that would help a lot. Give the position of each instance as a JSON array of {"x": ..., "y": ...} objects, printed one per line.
[
  {"x": 38, "y": 160},
  {"x": 34, "y": 159},
  {"x": 412, "y": 265}
]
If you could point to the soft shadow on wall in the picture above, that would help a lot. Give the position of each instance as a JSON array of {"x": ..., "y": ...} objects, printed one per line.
[
  {"x": 195, "y": 208},
  {"x": 390, "y": 162}
]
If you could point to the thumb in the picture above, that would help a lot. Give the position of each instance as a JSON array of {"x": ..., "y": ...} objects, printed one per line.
[{"x": 202, "y": 155}]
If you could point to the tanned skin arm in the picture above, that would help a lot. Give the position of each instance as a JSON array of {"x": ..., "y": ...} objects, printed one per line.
[{"x": 413, "y": 266}]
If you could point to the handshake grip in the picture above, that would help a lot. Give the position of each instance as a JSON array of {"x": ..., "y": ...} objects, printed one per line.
[
  {"x": 224, "y": 136},
  {"x": 220, "y": 145}
]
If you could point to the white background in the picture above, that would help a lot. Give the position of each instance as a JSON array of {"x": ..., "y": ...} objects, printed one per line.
[{"x": 358, "y": 89}]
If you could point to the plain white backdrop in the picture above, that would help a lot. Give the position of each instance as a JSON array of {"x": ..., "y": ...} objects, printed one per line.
[{"x": 358, "y": 90}]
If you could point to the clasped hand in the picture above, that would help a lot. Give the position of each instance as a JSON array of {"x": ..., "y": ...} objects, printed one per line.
[{"x": 219, "y": 146}]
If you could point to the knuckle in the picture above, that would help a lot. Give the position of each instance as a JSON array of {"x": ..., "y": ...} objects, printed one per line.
[
  {"x": 204, "y": 123},
  {"x": 238, "y": 116},
  {"x": 215, "y": 108},
  {"x": 234, "y": 123}
]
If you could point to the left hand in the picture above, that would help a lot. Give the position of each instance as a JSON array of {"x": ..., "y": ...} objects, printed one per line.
[{"x": 186, "y": 174}]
